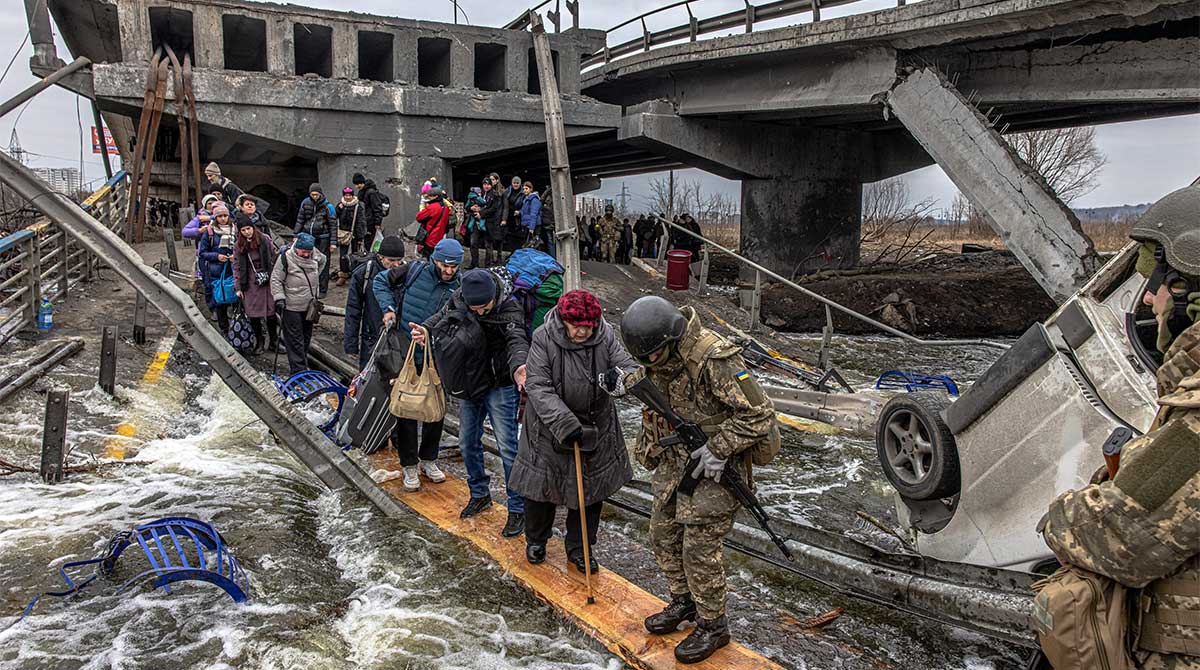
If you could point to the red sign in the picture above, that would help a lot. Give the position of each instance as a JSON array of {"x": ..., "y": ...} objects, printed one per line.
[{"x": 109, "y": 143}]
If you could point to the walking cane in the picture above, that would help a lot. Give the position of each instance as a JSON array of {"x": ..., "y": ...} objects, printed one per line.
[{"x": 587, "y": 558}]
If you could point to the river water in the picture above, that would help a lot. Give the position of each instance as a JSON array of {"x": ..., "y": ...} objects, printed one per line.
[{"x": 336, "y": 585}]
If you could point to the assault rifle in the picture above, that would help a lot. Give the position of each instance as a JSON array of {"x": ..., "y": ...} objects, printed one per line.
[{"x": 692, "y": 437}]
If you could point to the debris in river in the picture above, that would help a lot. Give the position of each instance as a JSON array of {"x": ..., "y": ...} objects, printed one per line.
[{"x": 819, "y": 621}]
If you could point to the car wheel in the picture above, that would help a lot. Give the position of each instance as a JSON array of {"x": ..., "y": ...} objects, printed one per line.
[{"x": 916, "y": 449}]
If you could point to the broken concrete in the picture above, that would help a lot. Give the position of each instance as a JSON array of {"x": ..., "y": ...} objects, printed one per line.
[{"x": 1016, "y": 202}]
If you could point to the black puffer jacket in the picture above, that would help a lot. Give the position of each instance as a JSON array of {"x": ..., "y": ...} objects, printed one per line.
[
  {"x": 372, "y": 200},
  {"x": 506, "y": 344},
  {"x": 563, "y": 394}
]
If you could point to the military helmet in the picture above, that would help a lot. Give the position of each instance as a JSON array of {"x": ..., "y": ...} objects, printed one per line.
[
  {"x": 1174, "y": 223},
  {"x": 609, "y": 209},
  {"x": 650, "y": 324}
]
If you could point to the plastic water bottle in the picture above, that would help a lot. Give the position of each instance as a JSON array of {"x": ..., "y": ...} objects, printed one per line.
[{"x": 45, "y": 315}]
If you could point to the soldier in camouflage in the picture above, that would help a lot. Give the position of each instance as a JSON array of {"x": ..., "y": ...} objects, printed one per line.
[
  {"x": 610, "y": 235},
  {"x": 1142, "y": 528},
  {"x": 706, "y": 383}
]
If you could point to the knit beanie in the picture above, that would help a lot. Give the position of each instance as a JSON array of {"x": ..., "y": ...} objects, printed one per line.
[
  {"x": 305, "y": 241},
  {"x": 392, "y": 246},
  {"x": 220, "y": 209},
  {"x": 212, "y": 169},
  {"x": 315, "y": 188},
  {"x": 448, "y": 251},
  {"x": 242, "y": 220},
  {"x": 358, "y": 178},
  {"x": 579, "y": 308},
  {"x": 478, "y": 287},
  {"x": 205, "y": 200}
]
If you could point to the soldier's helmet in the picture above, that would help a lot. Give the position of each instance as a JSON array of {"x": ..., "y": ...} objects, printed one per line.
[
  {"x": 608, "y": 209},
  {"x": 1174, "y": 223},
  {"x": 650, "y": 324}
]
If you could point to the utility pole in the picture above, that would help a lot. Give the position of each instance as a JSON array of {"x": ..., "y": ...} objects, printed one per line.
[
  {"x": 624, "y": 196},
  {"x": 671, "y": 195},
  {"x": 565, "y": 232}
]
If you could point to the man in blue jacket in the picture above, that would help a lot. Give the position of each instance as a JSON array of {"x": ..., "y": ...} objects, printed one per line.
[
  {"x": 417, "y": 291},
  {"x": 364, "y": 316}
]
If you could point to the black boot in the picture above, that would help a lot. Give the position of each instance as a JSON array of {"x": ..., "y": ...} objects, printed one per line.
[
  {"x": 681, "y": 608},
  {"x": 535, "y": 553},
  {"x": 515, "y": 525},
  {"x": 475, "y": 506},
  {"x": 708, "y": 636},
  {"x": 575, "y": 556}
]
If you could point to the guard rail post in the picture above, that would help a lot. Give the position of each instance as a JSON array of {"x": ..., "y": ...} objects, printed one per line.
[
  {"x": 826, "y": 338},
  {"x": 755, "y": 302},
  {"x": 33, "y": 276},
  {"x": 54, "y": 438},
  {"x": 108, "y": 359},
  {"x": 64, "y": 270}
]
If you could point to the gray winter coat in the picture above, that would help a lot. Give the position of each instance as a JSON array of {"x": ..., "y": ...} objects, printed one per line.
[
  {"x": 563, "y": 390},
  {"x": 296, "y": 280}
]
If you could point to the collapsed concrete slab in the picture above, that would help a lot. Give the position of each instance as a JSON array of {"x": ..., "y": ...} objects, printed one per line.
[{"x": 1014, "y": 199}]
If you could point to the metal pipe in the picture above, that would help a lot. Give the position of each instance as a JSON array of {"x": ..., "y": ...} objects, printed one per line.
[
  {"x": 20, "y": 98},
  {"x": 108, "y": 173},
  {"x": 838, "y": 306}
]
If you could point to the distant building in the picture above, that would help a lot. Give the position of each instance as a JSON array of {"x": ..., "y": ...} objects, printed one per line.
[{"x": 63, "y": 180}]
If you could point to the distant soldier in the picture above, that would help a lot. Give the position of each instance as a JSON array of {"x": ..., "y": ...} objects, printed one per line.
[
  {"x": 610, "y": 235},
  {"x": 1141, "y": 529},
  {"x": 703, "y": 377}
]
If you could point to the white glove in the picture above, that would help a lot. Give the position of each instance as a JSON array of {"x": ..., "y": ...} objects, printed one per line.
[
  {"x": 613, "y": 382},
  {"x": 710, "y": 465}
]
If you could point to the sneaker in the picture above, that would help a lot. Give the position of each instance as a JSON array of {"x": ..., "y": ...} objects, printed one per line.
[
  {"x": 433, "y": 472},
  {"x": 515, "y": 524},
  {"x": 475, "y": 506},
  {"x": 412, "y": 481}
]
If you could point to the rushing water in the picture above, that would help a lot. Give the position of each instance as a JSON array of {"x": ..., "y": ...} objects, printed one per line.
[{"x": 336, "y": 585}]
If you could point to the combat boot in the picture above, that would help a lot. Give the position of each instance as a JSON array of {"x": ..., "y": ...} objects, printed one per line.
[
  {"x": 704, "y": 641},
  {"x": 680, "y": 609}
]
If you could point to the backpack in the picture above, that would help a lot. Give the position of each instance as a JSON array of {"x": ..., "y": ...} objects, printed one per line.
[
  {"x": 537, "y": 281},
  {"x": 463, "y": 363},
  {"x": 1082, "y": 620}
]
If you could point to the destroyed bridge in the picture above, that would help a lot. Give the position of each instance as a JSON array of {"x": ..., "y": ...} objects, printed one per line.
[{"x": 802, "y": 115}]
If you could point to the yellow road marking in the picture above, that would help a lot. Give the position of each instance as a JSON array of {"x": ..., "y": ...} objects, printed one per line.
[{"x": 116, "y": 446}]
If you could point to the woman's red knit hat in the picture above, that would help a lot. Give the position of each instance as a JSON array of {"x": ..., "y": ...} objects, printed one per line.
[{"x": 579, "y": 308}]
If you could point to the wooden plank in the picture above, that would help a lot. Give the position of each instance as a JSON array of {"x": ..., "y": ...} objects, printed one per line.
[{"x": 615, "y": 620}]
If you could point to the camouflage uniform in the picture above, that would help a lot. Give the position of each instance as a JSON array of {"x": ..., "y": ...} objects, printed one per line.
[
  {"x": 703, "y": 384},
  {"x": 1143, "y": 528},
  {"x": 610, "y": 236}
]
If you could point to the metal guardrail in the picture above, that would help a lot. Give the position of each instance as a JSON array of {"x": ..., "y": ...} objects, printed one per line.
[
  {"x": 42, "y": 261},
  {"x": 759, "y": 271},
  {"x": 695, "y": 27}
]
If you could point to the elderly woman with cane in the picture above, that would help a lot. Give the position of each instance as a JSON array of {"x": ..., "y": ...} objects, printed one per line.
[{"x": 570, "y": 420}]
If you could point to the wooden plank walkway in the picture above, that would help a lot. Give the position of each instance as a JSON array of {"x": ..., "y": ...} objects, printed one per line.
[{"x": 616, "y": 617}]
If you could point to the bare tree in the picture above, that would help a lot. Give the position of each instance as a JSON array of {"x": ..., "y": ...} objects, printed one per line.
[
  {"x": 893, "y": 226},
  {"x": 659, "y": 199},
  {"x": 1067, "y": 158}
]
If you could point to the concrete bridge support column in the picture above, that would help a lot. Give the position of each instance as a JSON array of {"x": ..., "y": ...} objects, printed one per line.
[
  {"x": 797, "y": 223},
  {"x": 398, "y": 177}
]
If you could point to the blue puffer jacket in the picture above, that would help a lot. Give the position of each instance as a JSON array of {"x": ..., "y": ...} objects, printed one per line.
[
  {"x": 419, "y": 296},
  {"x": 531, "y": 211}
]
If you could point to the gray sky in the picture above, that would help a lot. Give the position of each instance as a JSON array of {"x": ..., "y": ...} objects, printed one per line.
[{"x": 1147, "y": 159}]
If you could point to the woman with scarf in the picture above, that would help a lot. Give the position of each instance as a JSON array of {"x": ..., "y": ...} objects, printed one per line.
[
  {"x": 253, "y": 260},
  {"x": 352, "y": 231},
  {"x": 566, "y": 406},
  {"x": 215, "y": 253}
]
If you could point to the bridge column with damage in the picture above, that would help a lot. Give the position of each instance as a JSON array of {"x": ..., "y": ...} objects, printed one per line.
[{"x": 1014, "y": 199}]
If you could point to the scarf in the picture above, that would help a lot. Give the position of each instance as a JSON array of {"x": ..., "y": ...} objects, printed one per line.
[{"x": 351, "y": 202}]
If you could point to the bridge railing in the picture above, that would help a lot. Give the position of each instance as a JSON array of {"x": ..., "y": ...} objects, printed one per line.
[
  {"x": 695, "y": 27},
  {"x": 43, "y": 261}
]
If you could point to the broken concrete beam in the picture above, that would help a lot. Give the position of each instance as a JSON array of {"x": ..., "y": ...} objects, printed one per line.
[{"x": 1016, "y": 202}]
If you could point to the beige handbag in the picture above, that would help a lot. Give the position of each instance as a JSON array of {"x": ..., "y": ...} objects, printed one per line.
[{"x": 418, "y": 396}]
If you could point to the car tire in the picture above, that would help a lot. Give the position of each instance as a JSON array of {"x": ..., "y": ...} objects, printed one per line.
[{"x": 916, "y": 448}]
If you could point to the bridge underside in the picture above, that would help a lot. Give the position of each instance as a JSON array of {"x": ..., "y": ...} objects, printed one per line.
[{"x": 800, "y": 114}]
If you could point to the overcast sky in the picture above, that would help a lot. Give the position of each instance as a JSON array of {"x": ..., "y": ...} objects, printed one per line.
[{"x": 1146, "y": 159}]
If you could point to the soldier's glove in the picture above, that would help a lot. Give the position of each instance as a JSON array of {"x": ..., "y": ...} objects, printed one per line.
[
  {"x": 613, "y": 382},
  {"x": 709, "y": 464}
]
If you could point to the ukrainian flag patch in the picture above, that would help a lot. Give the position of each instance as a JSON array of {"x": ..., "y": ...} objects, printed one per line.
[{"x": 742, "y": 376}]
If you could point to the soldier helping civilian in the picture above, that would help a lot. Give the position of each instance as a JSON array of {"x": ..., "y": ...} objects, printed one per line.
[
  {"x": 1134, "y": 538},
  {"x": 706, "y": 383},
  {"x": 565, "y": 407},
  {"x": 481, "y": 345}
]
